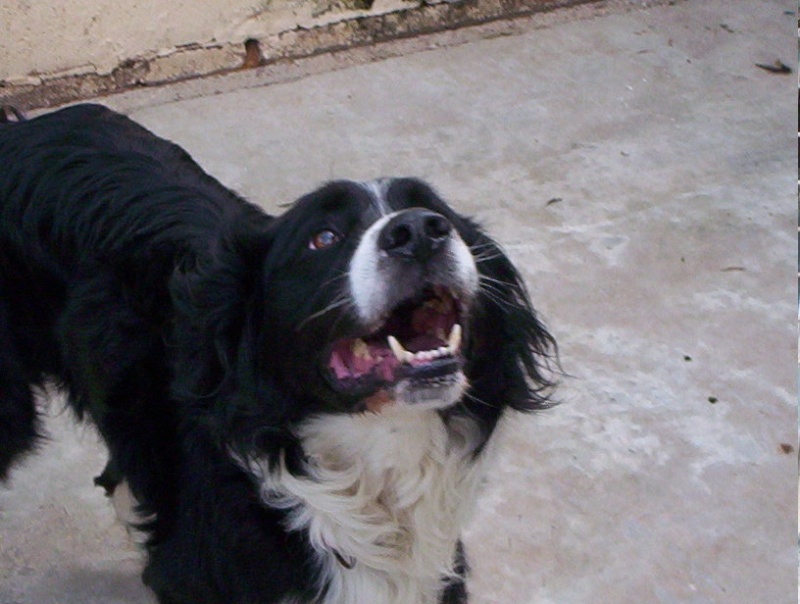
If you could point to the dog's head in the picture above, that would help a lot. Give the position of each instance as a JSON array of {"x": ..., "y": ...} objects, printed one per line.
[
  {"x": 376, "y": 285},
  {"x": 376, "y": 294}
]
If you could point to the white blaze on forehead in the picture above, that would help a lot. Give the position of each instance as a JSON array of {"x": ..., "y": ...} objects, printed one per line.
[
  {"x": 370, "y": 280},
  {"x": 368, "y": 288},
  {"x": 377, "y": 189}
]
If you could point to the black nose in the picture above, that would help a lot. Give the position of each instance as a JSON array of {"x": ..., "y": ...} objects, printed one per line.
[{"x": 415, "y": 234}]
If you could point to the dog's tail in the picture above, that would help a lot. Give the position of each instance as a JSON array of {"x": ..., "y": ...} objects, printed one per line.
[{"x": 10, "y": 115}]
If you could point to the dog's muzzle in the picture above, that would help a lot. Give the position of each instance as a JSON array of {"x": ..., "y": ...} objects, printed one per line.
[{"x": 412, "y": 279}]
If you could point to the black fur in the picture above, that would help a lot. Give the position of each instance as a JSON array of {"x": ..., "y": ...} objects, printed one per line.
[{"x": 170, "y": 310}]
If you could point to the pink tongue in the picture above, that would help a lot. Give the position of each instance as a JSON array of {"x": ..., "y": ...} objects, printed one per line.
[
  {"x": 345, "y": 364},
  {"x": 434, "y": 317},
  {"x": 339, "y": 368}
]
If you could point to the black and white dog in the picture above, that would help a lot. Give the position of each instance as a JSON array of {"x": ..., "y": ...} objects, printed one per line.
[{"x": 301, "y": 404}]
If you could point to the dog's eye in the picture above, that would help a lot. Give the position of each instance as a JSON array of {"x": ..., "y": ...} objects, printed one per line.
[{"x": 323, "y": 239}]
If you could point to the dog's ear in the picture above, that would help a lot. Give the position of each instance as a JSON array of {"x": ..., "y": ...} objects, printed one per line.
[
  {"x": 514, "y": 355},
  {"x": 213, "y": 297}
]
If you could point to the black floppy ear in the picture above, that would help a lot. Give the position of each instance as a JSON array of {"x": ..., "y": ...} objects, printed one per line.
[
  {"x": 513, "y": 353},
  {"x": 213, "y": 298}
]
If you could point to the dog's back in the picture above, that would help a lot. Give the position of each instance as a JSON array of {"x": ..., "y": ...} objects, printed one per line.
[
  {"x": 88, "y": 184},
  {"x": 96, "y": 214}
]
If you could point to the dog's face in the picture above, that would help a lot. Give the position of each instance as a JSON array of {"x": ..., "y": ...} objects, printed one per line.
[
  {"x": 362, "y": 296},
  {"x": 376, "y": 284}
]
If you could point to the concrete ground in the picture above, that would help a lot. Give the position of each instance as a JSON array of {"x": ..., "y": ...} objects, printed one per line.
[{"x": 640, "y": 169}]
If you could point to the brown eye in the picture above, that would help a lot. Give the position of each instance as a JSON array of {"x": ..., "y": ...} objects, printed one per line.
[{"x": 323, "y": 239}]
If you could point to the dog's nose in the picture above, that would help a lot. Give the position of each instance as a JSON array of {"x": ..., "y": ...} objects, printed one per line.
[{"x": 415, "y": 234}]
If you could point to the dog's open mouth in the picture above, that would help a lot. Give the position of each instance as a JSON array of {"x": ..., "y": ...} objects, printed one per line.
[{"x": 419, "y": 339}]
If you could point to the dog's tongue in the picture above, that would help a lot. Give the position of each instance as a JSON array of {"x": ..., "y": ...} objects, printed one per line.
[{"x": 355, "y": 358}]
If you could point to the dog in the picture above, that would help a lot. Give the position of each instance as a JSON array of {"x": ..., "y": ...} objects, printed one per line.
[{"x": 300, "y": 405}]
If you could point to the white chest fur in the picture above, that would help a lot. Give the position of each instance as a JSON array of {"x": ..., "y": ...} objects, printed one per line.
[{"x": 388, "y": 492}]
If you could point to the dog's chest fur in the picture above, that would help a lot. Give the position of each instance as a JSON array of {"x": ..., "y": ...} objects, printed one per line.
[{"x": 385, "y": 503}]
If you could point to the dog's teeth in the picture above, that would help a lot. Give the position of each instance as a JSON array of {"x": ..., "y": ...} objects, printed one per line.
[
  {"x": 397, "y": 348},
  {"x": 361, "y": 349},
  {"x": 454, "y": 339},
  {"x": 425, "y": 356}
]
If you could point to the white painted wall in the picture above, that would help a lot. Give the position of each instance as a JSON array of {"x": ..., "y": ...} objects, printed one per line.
[{"x": 44, "y": 39}]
